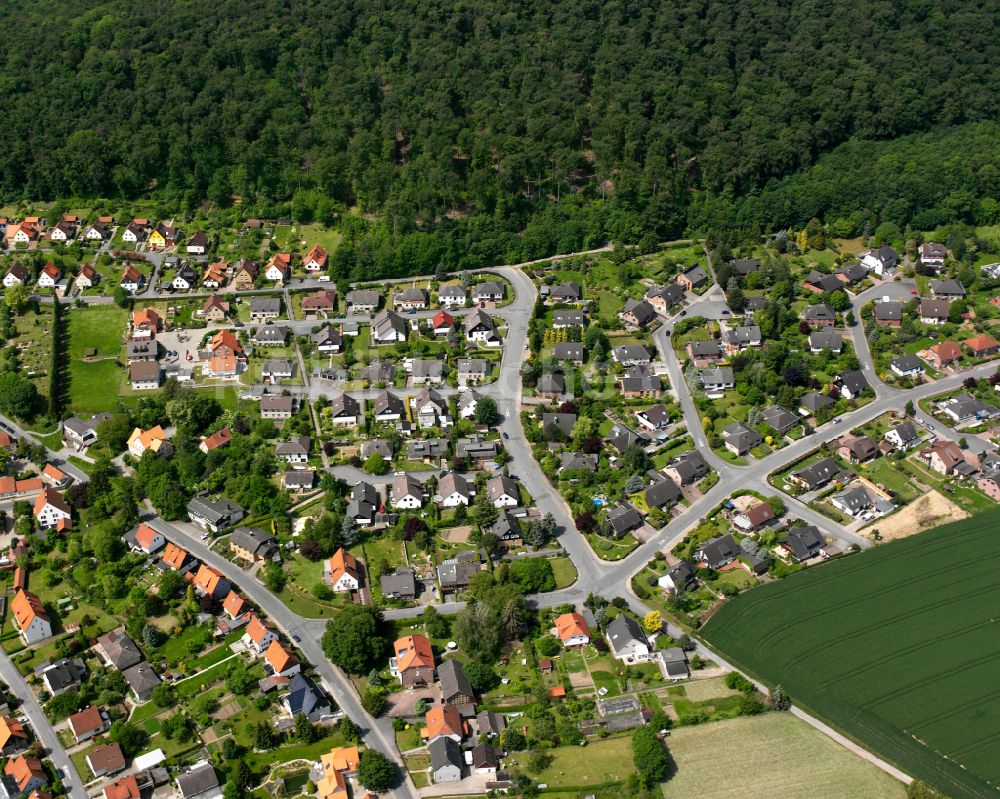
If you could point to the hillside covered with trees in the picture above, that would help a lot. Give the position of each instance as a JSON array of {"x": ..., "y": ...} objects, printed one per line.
[{"x": 504, "y": 129}]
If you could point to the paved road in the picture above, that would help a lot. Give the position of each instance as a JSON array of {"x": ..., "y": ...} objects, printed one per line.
[
  {"x": 43, "y": 729},
  {"x": 377, "y": 733},
  {"x": 22, "y": 434}
]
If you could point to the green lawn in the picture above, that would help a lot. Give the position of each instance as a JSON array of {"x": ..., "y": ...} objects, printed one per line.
[
  {"x": 100, "y": 327},
  {"x": 597, "y": 763},
  {"x": 931, "y": 643},
  {"x": 775, "y": 754},
  {"x": 95, "y": 386},
  {"x": 611, "y": 550},
  {"x": 564, "y": 571},
  {"x": 327, "y": 238}
]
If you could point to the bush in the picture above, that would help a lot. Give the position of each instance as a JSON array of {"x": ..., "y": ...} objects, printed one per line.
[{"x": 374, "y": 701}]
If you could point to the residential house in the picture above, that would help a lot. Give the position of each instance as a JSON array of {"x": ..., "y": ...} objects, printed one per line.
[
  {"x": 280, "y": 662},
  {"x": 718, "y": 552},
  {"x": 295, "y": 450},
  {"x": 717, "y": 379},
  {"x": 852, "y": 383},
  {"x": 568, "y": 351},
  {"x": 270, "y": 336},
  {"x": 902, "y": 436},
  {"x": 430, "y": 409},
  {"x": 315, "y": 260},
  {"x": 86, "y": 278},
  {"x": 692, "y": 278},
  {"x": 258, "y": 635},
  {"x": 820, "y": 315},
  {"x": 572, "y": 630},
  {"x": 455, "y": 573},
  {"x": 199, "y": 782},
  {"x": 298, "y": 480},
  {"x": 400, "y": 584},
  {"x": 488, "y": 293},
  {"x": 779, "y": 419},
  {"x": 737, "y": 339},
  {"x": 687, "y": 468},
  {"x": 813, "y": 402},
  {"x": 305, "y": 697},
  {"x": 636, "y": 314},
  {"x": 423, "y": 371},
  {"x": 476, "y": 448},
  {"x": 815, "y": 475},
  {"x": 934, "y": 312},
  {"x": 62, "y": 675},
  {"x": 453, "y": 296},
  {"x": 176, "y": 559},
  {"x": 621, "y": 437},
  {"x": 981, "y": 346},
  {"x": 411, "y": 299},
  {"x": 907, "y": 366},
  {"x": 118, "y": 650},
  {"x": 264, "y": 308},
  {"x": 455, "y": 686},
  {"x": 507, "y": 529},
  {"x": 141, "y": 680},
  {"x": 655, "y": 417},
  {"x": 98, "y": 231},
  {"x": 932, "y": 254},
  {"x": 941, "y": 355},
  {"x": 413, "y": 661},
  {"x": 663, "y": 298},
  {"x": 551, "y": 385},
  {"x": 407, "y": 492},
  {"x": 485, "y": 759},
  {"x": 377, "y": 446},
  {"x": 427, "y": 450},
  {"x": 185, "y": 278},
  {"x": 453, "y": 490},
  {"x": 215, "y": 309},
  {"x": 743, "y": 266},
  {"x": 889, "y": 314},
  {"x": 214, "y": 514},
  {"x": 319, "y": 302},
  {"x": 662, "y": 493},
  {"x": 23, "y": 775},
  {"x": 852, "y": 501},
  {"x": 446, "y": 760},
  {"x": 16, "y": 275},
  {"x": 566, "y": 293},
  {"x": 388, "y": 328},
  {"x": 209, "y": 582},
  {"x": 362, "y": 301},
  {"x": 234, "y": 605},
  {"x": 253, "y": 545},
  {"x": 378, "y": 372},
  {"x": 754, "y": 517},
  {"x": 145, "y": 539},
  {"x": 964, "y": 408},
  {"x": 631, "y": 355},
  {"x": 364, "y": 504},
  {"x": 345, "y": 409},
  {"x": 216, "y": 440},
  {"x": 678, "y": 578},
  {"x": 274, "y": 406},
  {"x": 945, "y": 457},
  {"x": 245, "y": 275},
  {"x": 131, "y": 279},
  {"x": 801, "y": 543},
  {"x": 627, "y": 640},
  {"x": 144, "y": 375},
  {"x": 13, "y": 738},
  {"x": 136, "y": 231},
  {"x": 279, "y": 268},
  {"x": 30, "y": 618},
  {"x": 51, "y": 510},
  {"x": 576, "y": 461},
  {"x": 740, "y": 439},
  {"x": 822, "y": 283},
  {"x": 502, "y": 492},
  {"x": 327, "y": 340},
  {"x": 623, "y": 519},
  {"x": 443, "y": 323},
  {"x": 106, "y": 759},
  {"x": 215, "y": 276},
  {"x": 49, "y": 277},
  {"x": 857, "y": 449},
  {"x": 882, "y": 261},
  {"x": 560, "y": 423},
  {"x": 704, "y": 353},
  {"x": 567, "y": 319},
  {"x": 388, "y": 407},
  {"x": 274, "y": 370},
  {"x": 947, "y": 289},
  {"x": 479, "y": 326},
  {"x": 490, "y": 723}
]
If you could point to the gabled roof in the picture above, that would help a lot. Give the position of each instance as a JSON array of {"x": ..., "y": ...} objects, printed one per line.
[
  {"x": 443, "y": 720},
  {"x": 86, "y": 721},
  {"x": 571, "y": 625},
  {"x": 26, "y": 607},
  {"x": 10, "y": 727},
  {"x": 279, "y": 658},
  {"x": 257, "y": 630},
  {"x": 413, "y": 652},
  {"x": 623, "y": 631},
  {"x": 343, "y": 563},
  {"x": 234, "y": 604},
  {"x": 120, "y": 649},
  {"x": 454, "y": 682},
  {"x": 23, "y": 769},
  {"x": 49, "y": 496},
  {"x": 125, "y": 788}
]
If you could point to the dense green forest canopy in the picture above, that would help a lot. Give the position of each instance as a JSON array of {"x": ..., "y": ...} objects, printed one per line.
[{"x": 590, "y": 119}]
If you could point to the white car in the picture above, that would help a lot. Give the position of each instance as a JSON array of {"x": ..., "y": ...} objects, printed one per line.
[{"x": 324, "y": 278}]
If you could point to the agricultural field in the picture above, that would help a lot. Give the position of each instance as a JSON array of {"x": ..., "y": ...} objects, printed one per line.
[
  {"x": 775, "y": 754},
  {"x": 897, "y": 648}
]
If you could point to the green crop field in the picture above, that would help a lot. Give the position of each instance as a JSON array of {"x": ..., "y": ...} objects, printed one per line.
[{"x": 899, "y": 648}]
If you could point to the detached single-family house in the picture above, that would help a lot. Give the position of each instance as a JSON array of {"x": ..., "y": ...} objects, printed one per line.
[
  {"x": 947, "y": 289},
  {"x": 942, "y": 355},
  {"x": 341, "y": 572},
  {"x": 692, "y": 278},
  {"x": 627, "y": 640},
  {"x": 889, "y": 314},
  {"x": 253, "y": 544},
  {"x": 932, "y": 254},
  {"x": 820, "y": 315},
  {"x": 572, "y": 630},
  {"x": 902, "y": 436},
  {"x": 30, "y": 618},
  {"x": 413, "y": 661},
  {"x": 717, "y": 379},
  {"x": 882, "y": 261},
  {"x": 446, "y": 760},
  {"x": 453, "y": 296},
  {"x": 801, "y": 543},
  {"x": 407, "y": 492},
  {"x": 361, "y": 301},
  {"x": 934, "y": 312},
  {"x": 214, "y": 514},
  {"x": 295, "y": 450},
  {"x": 907, "y": 366},
  {"x": 740, "y": 439},
  {"x": 453, "y": 490},
  {"x": 411, "y": 299},
  {"x": 388, "y": 328},
  {"x": 636, "y": 314},
  {"x": 315, "y": 260},
  {"x": 851, "y": 383}
]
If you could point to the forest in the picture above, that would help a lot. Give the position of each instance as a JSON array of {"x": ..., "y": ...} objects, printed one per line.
[{"x": 502, "y": 130}]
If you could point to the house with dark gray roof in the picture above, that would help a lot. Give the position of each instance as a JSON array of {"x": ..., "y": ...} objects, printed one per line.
[
  {"x": 718, "y": 552},
  {"x": 568, "y": 292},
  {"x": 812, "y": 402},
  {"x": 717, "y": 378},
  {"x": 631, "y": 355},
  {"x": 907, "y": 366},
  {"x": 270, "y": 336},
  {"x": 562, "y": 422},
  {"x": 624, "y": 519},
  {"x": 621, "y": 437},
  {"x": 455, "y": 686},
  {"x": 575, "y": 460},
  {"x": 264, "y": 308},
  {"x": 142, "y": 680},
  {"x": 740, "y": 439},
  {"x": 568, "y": 351},
  {"x": 561, "y": 319},
  {"x": 627, "y": 639},
  {"x": 306, "y": 698},
  {"x": 213, "y": 514},
  {"x": 852, "y": 501},
  {"x": 778, "y": 419},
  {"x": 637, "y": 313},
  {"x": 852, "y": 383},
  {"x": 815, "y": 475},
  {"x": 446, "y": 759},
  {"x": 662, "y": 493},
  {"x": 655, "y": 417},
  {"x": 820, "y": 315},
  {"x": 550, "y": 385},
  {"x": 400, "y": 584},
  {"x": 801, "y": 543},
  {"x": 687, "y": 468},
  {"x": 825, "y": 339},
  {"x": 118, "y": 650}
]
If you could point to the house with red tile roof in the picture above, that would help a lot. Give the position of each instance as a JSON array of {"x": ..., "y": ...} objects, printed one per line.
[
  {"x": 51, "y": 509},
  {"x": 258, "y": 636},
  {"x": 282, "y": 662},
  {"x": 572, "y": 629},
  {"x": 341, "y": 572},
  {"x": 315, "y": 260},
  {"x": 211, "y": 583},
  {"x": 88, "y": 723},
  {"x": 218, "y": 439},
  {"x": 413, "y": 662}
]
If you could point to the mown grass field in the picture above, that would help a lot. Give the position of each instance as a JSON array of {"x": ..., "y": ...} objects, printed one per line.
[
  {"x": 775, "y": 754},
  {"x": 94, "y": 386},
  {"x": 897, "y": 647}
]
